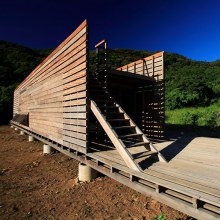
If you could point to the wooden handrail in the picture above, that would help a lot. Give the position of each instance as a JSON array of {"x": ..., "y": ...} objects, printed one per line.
[
  {"x": 119, "y": 145},
  {"x": 141, "y": 60},
  {"x": 100, "y": 43}
]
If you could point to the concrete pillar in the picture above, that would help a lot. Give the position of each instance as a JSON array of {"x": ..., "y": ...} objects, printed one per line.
[
  {"x": 47, "y": 149},
  {"x": 21, "y": 133},
  {"x": 16, "y": 129},
  {"x": 86, "y": 173},
  {"x": 12, "y": 126},
  {"x": 30, "y": 138}
]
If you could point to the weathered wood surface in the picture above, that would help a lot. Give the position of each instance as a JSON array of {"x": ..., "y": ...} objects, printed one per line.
[
  {"x": 198, "y": 200},
  {"x": 121, "y": 148},
  {"x": 152, "y": 96},
  {"x": 195, "y": 166},
  {"x": 55, "y": 93},
  {"x": 194, "y": 161},
  {"x": 151, "y": 66}
]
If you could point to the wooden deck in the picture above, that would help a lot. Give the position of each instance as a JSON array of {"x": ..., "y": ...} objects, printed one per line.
[
  {"x": 189, "y": 182},
  {"x": 193, "y": 162},
  {"x": 194, "y": 166},
  {"x": 65, "y": 105},
  {"x": 196, "y": 159}
]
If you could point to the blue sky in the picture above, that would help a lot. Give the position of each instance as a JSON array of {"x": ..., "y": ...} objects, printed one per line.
[{"x": 187, "y": 27}]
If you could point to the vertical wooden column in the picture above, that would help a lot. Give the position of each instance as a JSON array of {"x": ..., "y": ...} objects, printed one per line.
[
  {"x": 88, "y": 90},
  {"x": 153, "y": 65},
  {"x": 143, "y": 111}
]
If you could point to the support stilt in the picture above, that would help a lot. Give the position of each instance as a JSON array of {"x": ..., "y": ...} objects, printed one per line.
[
  {"x": 86, "y": 173},
  {"x": 30, "y": 138},
  {"x": 47, "y": 149}
]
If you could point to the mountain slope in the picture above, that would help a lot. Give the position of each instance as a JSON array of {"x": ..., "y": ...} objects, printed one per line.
[
  {"x": 188, "y": 82},
  {"x": 16, "y": 62}
]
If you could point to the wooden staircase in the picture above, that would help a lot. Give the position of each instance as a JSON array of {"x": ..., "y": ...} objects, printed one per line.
[{"x": 128, "y": 139}]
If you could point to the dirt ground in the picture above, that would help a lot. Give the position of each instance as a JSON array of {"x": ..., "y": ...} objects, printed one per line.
[{"x": 34, "y": 186}]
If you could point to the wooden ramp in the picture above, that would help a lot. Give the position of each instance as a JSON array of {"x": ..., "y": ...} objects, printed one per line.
[{"x": 128, "y": 139}]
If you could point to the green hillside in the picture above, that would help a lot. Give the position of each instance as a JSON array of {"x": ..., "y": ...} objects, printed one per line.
[{"x": 188, "y": 83}]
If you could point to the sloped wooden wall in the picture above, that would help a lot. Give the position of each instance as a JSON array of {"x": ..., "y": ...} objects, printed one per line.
[{"x": 55, "y": 93}]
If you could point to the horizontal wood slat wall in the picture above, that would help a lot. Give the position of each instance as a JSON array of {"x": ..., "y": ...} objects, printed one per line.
[
  {"x": 151, "y": 66},
  {"x": 153, "y": 96},
  {"x": 54, "y": 94},
  {"x": 153, "y": 112}
]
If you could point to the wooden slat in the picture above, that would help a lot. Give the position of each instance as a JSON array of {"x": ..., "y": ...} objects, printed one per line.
[
  {"x": 75, "y": 128},
  {"x": 75, "y": 135},
  {"x": 76, "y": 95},
  {"x": 75, "y": 102},
  {"x": 81, "y": 108},
  {"x": 54, "y": 93},
  {"x": 74, "y": 121},
  {"x": 83, "y": 25},
  {"x": 114, "y": 138},
  {"x": 75, "y": 115},
  {"x": 73, "y": 140}
]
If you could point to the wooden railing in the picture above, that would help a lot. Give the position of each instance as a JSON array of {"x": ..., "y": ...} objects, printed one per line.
[{"x": 151, "y": 66}]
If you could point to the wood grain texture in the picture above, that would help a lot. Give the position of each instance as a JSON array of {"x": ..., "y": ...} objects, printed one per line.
[
  {"x": 54, "y": 94},
  {"x": 153, "y": 96}
]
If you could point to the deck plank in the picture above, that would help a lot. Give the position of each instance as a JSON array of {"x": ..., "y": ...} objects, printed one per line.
[{"x": 193, "y": 160}]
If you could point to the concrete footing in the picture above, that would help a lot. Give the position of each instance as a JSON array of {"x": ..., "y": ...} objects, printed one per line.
[
  {"x": 16, "y": 129},
  {"x": 30, "y": 138},
  {"x": 12, "y": 126},
  {"x": 21, "y": 133},
  {"x": 47, "y": 149},
  {"x": 86, "y": 173}
]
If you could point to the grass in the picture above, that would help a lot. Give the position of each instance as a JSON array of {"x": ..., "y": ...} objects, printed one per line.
[
  {"x": 201, "y": 116},
  {"x": 86, "y": 209},
  {"x": 160, "y": 217}
]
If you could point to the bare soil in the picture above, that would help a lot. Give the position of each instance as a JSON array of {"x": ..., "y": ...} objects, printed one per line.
[{"x": 34, "y": 186}]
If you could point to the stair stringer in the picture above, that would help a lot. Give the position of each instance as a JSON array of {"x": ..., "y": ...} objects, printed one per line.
[
  {"x": 145, "y": 139},
  {"x": 119, "y": 145}
]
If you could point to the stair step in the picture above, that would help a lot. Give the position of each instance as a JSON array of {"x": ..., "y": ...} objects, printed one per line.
[
  {"x": 112, "y": 106},
  {"x": 138, "y": 144},
  {"x": 124, "y": 127},
  {"x": 101, "y": 96},
  {"x": 92, "y": 88},
  {"x": 95, "y": 90},
  {"x": 143, "y": 154},
  {"x": 118, "y": 120},
  {"x": 130, "y": 135},
  {"x": 102, "y": 102},
  {"x": 113, "y": 113}
]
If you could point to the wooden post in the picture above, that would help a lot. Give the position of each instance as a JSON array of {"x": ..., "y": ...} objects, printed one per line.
[
  {"x": 30, "y": 138},
  {"x": 196, "y": 203},
  {"x": 159, "y": 188},
  {"x": 47, "y": 149},
  {"x": 153, "y": 65}
]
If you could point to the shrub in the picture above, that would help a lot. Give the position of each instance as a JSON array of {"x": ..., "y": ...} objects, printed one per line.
[
  {"x": 203, "y": 116},
  {"x": 160, "y": 217}
]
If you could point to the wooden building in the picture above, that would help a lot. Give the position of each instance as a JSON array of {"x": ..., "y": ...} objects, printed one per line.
[
  {"x": 106, "y": 118},
  {"x": 64, "y": 101}
]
